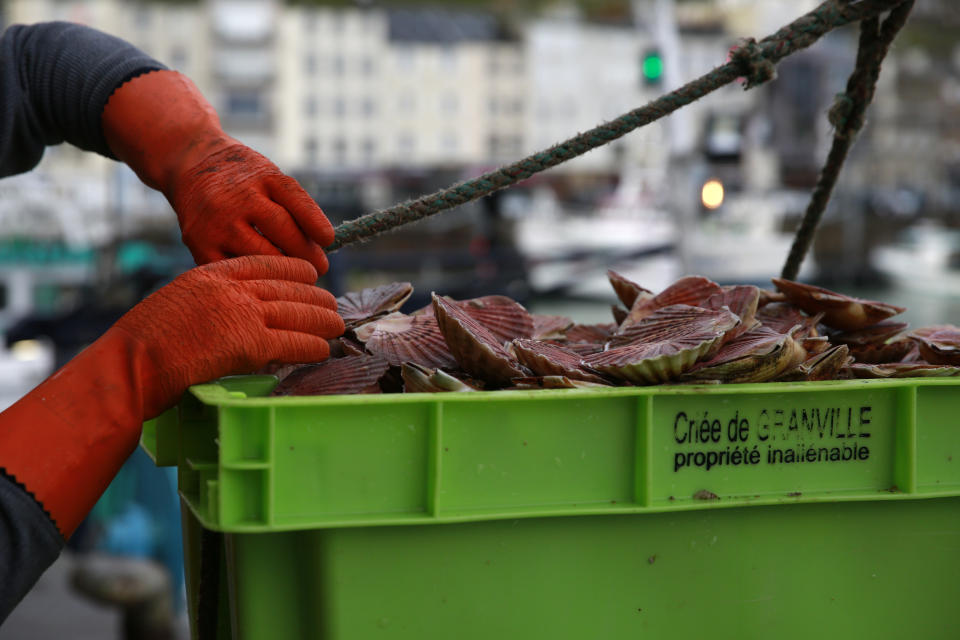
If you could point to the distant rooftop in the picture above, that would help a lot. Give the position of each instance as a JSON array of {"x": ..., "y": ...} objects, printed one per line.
[{"x": 443, "y": 26}]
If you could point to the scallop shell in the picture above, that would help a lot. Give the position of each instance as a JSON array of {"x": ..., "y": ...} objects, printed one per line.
[
  {"x": 783, "y": 317},
  {"x": 938, "y": 344},
  {"x": 475, "y": 347},
  {"x": 554, "y": 382},
  {"x": 755, "y": 356},
  {"x": 822, "y": 366},
  {"x": 400, "y": 338},
  {"x": 350, "y": 374},
  {"x": 814, "y": 344},
  {"x": 626, "y": 289},
  {"x": 619, "y": 314},
  {"x": 580, "y": 348},
  {"x": 902, "y": 370},
  {"x": 550, "y": 360},
  {"x": 767, "y": 296},
  {"x": 873, "y": 335},
  {"x": 344, "y": 346},
  {"x": 690, "y": 290},
  {"x": 590, "y": 333},
  {"x": 665, "y": 345},
  {"x": 503, "y": 317},
  {"x": 419, "y": 379},
  {"x": 895, "y": 351},
  {"x": 839, "y": 311},
  {"x": 741, "y": 300},
  {"x": 675, "y": 323},
  {"x": 358, "y": 307},
  {"x": 550, "y": 327}
]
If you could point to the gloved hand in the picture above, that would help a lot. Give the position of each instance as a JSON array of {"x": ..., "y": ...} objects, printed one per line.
[
  {"x": 66, "y": 439},
  {"x": 230, "y": 200}
]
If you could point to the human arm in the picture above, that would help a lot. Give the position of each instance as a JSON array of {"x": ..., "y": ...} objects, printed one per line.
[
  {"x": 65, "y": 82},
  {"x": 67, "y": 438},
  {"x": 55, "y": 79}
]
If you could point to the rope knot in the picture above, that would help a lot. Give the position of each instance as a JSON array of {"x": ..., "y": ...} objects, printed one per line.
[
  {"x": 844, "y": 117},
  {"x": 750, "y": 57}
]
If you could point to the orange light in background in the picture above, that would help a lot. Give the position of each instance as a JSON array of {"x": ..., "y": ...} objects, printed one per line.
[{"x": 711, "y": 195}]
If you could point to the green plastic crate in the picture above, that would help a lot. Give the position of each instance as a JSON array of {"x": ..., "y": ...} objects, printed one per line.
[{"x": 740, "y": 511}]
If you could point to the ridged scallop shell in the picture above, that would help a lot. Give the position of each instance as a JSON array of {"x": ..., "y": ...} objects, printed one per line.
[
  {"x": 839, "y": 311},
  {"x": 894, "y": 351},
  {"x": 344, "y": 346},
  {"x": 554, "y": 382},
  {"x": 823, "y": 366},
  {"x": 400, "y": 338},
  {"x": 580, "y": 348},
  {"x": 358, "y": 307},
  {"x": 784, "y": 317},
  {"x": 550, "y": 327},
  {"x": 590, "y": 333},
  {"x": 755, "y": 356},
  {"x": 741, "y": 300},
  {"x": 872, "y": 335},
  {"x": 550, "y": 360},
  {"x": 814, "y": 344},
  {"x": 676, "y": 323},
  {"x": 938, "y": 344},
  {"x": 767, "y": 296},
  {"x": 503, "y": 317},
  {"x": 902, "y": 370},
  {"x": 419, "y": 379},
  {"x": 689, "y": 290},
  {"x": 626, "y": 289},
  {"x": 475, "y": 347},
  {"x": 665, "y": 345},
  {"x": 619, "y": 314},
  {"x": 350, "y": 374}
]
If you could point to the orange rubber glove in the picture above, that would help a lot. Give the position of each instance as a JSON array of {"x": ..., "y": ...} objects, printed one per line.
[
  {"x": 230, "y": 200},
  {"x": 66, "y": 439}
]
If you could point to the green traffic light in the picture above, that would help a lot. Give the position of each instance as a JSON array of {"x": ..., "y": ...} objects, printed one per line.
[{"x": 652, "y": 66}]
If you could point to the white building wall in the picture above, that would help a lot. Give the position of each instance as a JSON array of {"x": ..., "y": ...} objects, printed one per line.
[{"x": 580, "y": 76}]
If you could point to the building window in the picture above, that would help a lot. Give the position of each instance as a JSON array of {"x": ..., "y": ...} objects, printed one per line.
[
  {"x": 448, "y": 142},
  {"x": 407, "y": 103},
  {"x": 310, "y": 64},
  {"x": 339, "y": 107},
  {"x": 448, "y": 104},
  {"x": 244, "y": 104},
  {"x": 493, "y": 106},
  {"x": 339, "y": 65},
  {"x": 367, "y": 107},
  {"x": 310, "y": 106},
  {"x": 309, "y": 21},
  {"x": 369, "y": 149},
  {"x": 340, "y": 150},
  {"x": 366, "y": 66},
  {"x": 406, "y": 145},
  {"x": 310, "y": 150}
]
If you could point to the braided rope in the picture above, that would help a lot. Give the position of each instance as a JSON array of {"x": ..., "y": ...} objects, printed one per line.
[
  {"x": 754, "y": 60},
  {"x": 846, "y": 115}
]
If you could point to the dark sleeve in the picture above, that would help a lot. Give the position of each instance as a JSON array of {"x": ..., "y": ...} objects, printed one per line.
[
  {"x": 29, "y": 543},
  {"x": 55, "y": 79}
]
